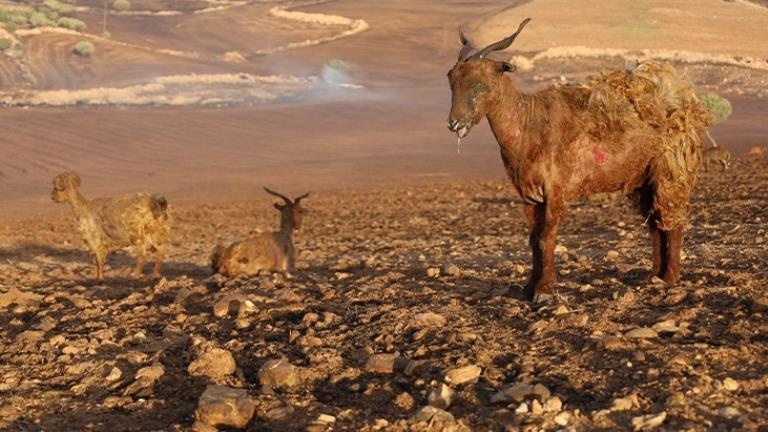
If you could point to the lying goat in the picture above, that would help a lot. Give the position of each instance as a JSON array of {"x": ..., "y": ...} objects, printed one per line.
[
  {"x": 137, "y": 220},
  {"x": 273, "y": 251},
  {"x": 635, "y": 131}
]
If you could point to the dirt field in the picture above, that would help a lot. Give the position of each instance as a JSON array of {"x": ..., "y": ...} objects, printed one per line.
[
  {"x": 408, "y": 288},
  {"x": 369, "y": 269}
]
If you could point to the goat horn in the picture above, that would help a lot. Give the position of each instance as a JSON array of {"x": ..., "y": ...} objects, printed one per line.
[
  {"x": 502, "y": 44},
  {"x": 271, "y": 192},
  {"x": 299, "y": 198},
  {"x": 466, "y": 46}
]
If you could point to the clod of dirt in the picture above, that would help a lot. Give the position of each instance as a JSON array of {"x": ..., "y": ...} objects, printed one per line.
[
  {"x": 428, "y": 319},
  {"x": 462, "y": 375},
  {"x": 214, "y": 362},
  {"x": 625, "y": 403},
  {"x": 450, "y": 269},
  {"x": 224, "y": 406}
]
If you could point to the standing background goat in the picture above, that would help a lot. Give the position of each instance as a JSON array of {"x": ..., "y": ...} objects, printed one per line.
[
  {"x": 273, "y": 251},
  {"x": 636, "y": 131},
  {"x": 137, "y": 220},
  {"x": 718, "y": 155}
]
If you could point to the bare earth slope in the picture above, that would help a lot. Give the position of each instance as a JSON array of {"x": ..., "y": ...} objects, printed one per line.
[{"x": 362, "y": 283}]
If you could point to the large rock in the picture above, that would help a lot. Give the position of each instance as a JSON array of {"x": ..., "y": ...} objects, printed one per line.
[
  {"x": 214, "y": 362},
  {"x": 464, "y": 374},
  {"x": 224, "y": 406}
]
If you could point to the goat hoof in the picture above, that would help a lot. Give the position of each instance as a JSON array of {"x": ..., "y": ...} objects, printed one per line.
[{"x": 542, "y": 298}]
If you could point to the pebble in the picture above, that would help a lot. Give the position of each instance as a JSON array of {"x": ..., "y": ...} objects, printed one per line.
[
  {"x": 224, "y": 406},
  {"x": 625, "y": 404},
  {"x": 382, "y": 363},
  {"x": 562, "y": 419},
  {"x": 450, "y": 270},
  {"x": 463, "y": 375},
  {"x": 433, "y": 272},
  {"x": 730, "y": 384},
  {"x": 728, "y": 412},
  {"x": 536, "y": 408},
  {"x": 405, "y": 401},
  {"x": 642, "y": 333},
  {"x": 612, "y": 255},
  {"x": 213, "y": 362},
  {"x": 649, "y": 421},
  {"x": 436, "y": 417},
  {"x": 146, "y": 377},
  {"x": 428, "y": 319},
  {"x": 666, "y": 326},
  {"x": 553, "y": 404},
  {"x": 441, "y": 397},
  {"x": 278, "y": 373},
  {"x": 611, "y": 342},
  {"x": 114, "y": 375}
]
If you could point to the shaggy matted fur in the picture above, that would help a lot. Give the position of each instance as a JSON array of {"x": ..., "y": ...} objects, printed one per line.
[
  {"x": 138, "y": 220},
  {"x": 635, "y": 130}
]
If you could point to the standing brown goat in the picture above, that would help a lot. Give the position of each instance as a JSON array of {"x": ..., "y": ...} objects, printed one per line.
[
  {"x": 138, "y": 220},
  {"x": 273, "y": 251},
  {"x": 718, "y": 155},
  {"x": 634, "y": 131}
]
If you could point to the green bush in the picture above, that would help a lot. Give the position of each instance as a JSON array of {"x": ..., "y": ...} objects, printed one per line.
[
  {"x": 71, "y": 23},
  {"x": 121, "y": 5},
  {"x": 84, "y": 49},
  {"x": 5, "y": 43},
  {"x": 38, "y": 19},
  {"x": 61, "y": 8},
  {"x": 718, "y": 106}
]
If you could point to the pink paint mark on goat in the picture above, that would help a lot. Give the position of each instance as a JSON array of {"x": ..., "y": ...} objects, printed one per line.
[{"x": 601, "y": 156}]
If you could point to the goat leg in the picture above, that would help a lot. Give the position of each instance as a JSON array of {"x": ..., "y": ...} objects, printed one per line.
[
  {"x": 659, "y": 242},
  {"x": 158, "y": 263},
  {"x": 535, "y": 215},
  {"x": 141, "y": 259},
  {"x": 674, "y": 246},
  {"x": 100, "y": 259}
]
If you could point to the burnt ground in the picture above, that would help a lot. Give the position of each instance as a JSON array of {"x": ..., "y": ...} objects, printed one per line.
[{"x": 367, "y": 270}]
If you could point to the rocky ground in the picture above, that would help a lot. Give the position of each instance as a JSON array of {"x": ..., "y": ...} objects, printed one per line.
[{"x": 401, "y": 317}]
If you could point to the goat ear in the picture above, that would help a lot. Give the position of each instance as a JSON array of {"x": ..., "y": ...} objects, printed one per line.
[
  {"x": 75, "y": 180},
  {"x": 278, "y": 206},
  {"x": 507, "y": 67}
]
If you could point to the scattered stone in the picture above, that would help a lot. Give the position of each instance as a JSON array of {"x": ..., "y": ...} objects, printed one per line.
[
  {"x": 279, "y": 373},
  {"x": 146, "y": 378},
  {"x": 666, "y": 326},
  {"x": 522, "y": 408},
  {"x": 728, "y": 412},
  {"x": 405, "y": 401},
  {"x": 224, "y": 406},
  {"x": 730, "y": 384},
  {"x": 114, "y": 375},
  {"x": 451, "y": 270},
  {"x": 536, "y": 408},
  {"x": 433, "y": 272},
  {"x": 521, "y": 391},
  {"x": 562, "y": 419},
  {"x": 611, "y": 342},
  {"x": 648, "y": 421},
  {"x": 382, "y": 363},
  {"x": 280, "y": 413},
  {"x": 441, "y": 397},
  {"x": 234, "y": 305},
  {"x": 214, "y": 362},
  {"x": 612, "y": 255},
  {"x": 759, "y": 305},
  {"x": 553, "y": 404},
  {"x": 625, "y": 404},
  {"x": 199, "y": 426},
  {"x": 642, "y": 333},
  {"x": 463, "y": 374},
  {"x": 428, "y": 319},
  {"x": 679, "y": 360},
  {"x": 439, "y": 419}
]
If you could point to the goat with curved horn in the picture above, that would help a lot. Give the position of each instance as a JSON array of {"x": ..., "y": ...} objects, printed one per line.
[{"x": 569, "y": 141}]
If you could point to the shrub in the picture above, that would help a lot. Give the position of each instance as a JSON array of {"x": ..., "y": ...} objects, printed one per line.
[
  {"x": 84, "y": 49},
  {"x": 5, "y": 43},
  {"x": 56, "y": 6},
  {"x": 121, "y": 5},
  {"x": 71, "y": 23},
  {"x": 38, "y": 19},
  {"x": 718, "y": 106}
]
